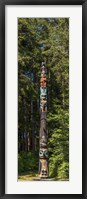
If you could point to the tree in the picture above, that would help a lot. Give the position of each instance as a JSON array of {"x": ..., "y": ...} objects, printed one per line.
[{"x": 44, "y": 39}]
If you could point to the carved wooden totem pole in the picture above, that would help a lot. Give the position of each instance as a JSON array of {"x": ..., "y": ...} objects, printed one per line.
[{"x": 43, "y": 152}]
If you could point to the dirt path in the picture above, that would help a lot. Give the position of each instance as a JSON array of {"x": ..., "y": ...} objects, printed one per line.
[{"x": 32, "y": 177}]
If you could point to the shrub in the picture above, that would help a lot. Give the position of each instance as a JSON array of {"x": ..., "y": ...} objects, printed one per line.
[{"x": 28, "y": 161}]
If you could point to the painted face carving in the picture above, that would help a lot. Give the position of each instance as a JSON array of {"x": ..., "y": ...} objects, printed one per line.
[
  {"x": 43, "y": 103},
  {"x": 43, "y": 92},
  {"x": 44, "y": 168},
  {"x": 43, "y": 79},
  {"x": 43, "y": 153},
  {"x": 43, "y": 70},
  {"x": 43, "y": 82}
]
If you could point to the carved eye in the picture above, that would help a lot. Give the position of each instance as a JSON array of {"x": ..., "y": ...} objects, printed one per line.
[
  {"x": 46, "y": 153},
  {"x": 41, "y": 153}
]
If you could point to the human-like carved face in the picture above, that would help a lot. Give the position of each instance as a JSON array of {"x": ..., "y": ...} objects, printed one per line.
[
  {"x": 43, "y": 153},
  {"x": 44, "y": 168},
  {"x": 43, "y": 91},
  {"x": 43, "y": 103}
]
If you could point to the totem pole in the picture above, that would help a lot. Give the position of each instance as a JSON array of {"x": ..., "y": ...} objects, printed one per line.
[{"x": 43, "y": 152}]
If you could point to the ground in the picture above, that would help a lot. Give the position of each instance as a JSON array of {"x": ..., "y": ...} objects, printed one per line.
[
  {"x": 35, "y": 177},
  {"x": 27, "y": 177}
]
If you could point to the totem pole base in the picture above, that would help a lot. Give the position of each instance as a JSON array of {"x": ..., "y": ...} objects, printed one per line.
[
  {"x": 43, "y": 168},
  {"x": 44, "y": 179}
]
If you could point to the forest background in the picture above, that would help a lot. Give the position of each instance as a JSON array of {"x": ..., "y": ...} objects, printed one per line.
[{"x": 43, "y": 39}]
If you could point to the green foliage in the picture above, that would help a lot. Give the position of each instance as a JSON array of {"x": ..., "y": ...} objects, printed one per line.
[
  {"x": 44, "y": 39},
  {"x": 63, "y": 171},
  {"x": 27, "y": 162}
]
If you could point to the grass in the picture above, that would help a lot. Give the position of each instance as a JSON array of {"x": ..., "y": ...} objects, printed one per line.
[
  {"x": 33, "y": 176},
  {"x": 27, "y": 176}
]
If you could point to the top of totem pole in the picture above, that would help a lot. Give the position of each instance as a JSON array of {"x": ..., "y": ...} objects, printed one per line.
[
  {"x": 43, "y": 69},
  {"x": 43, "y": 63}
]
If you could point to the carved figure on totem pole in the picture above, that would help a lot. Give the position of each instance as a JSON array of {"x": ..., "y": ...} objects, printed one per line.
[
  {"x": 43, "y": 92},
  {"x": 43, "y": 141},
  {"x": 43, "y": 82},
  {"x": 43, "y": 168},
  {"x": 43, "y": 105},
  {"x": 43, "y": 152}
]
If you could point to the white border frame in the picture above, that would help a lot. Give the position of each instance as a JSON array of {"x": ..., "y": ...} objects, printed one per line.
[{"x": 74, "y": 186}]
